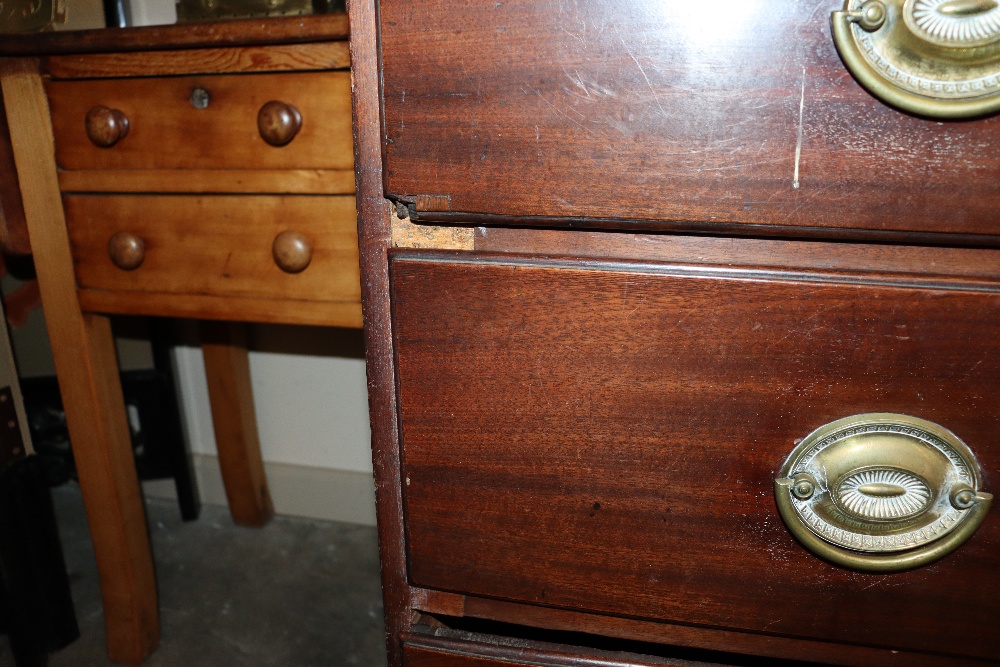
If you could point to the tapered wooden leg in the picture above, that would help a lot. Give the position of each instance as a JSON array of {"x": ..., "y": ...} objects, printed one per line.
[
  {"x": 227, "y": 365},
  {"x": 87, "y": 369}
]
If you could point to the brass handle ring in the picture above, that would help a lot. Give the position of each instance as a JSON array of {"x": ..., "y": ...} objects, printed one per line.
[
  {"x": 933, "y": 58},
  {"x": 881, "y": 492}
]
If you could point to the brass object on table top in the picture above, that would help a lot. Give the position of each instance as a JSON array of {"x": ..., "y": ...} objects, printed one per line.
[
  {"x": 17, "y": 16},
  {"x": 881, "y": 492},
  {"x": 933, "y": 58},
  {"x": 210, "y": 10}
]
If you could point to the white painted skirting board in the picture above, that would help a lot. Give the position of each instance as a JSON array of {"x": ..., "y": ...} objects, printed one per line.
[{"x": 316, "y": 493}]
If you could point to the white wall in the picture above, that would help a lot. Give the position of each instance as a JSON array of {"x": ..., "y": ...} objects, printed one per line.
[{"x": 310, "y": 395}]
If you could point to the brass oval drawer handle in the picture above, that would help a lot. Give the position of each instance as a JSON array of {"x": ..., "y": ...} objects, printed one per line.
[
  {"x": 292, "y": 252},
  {"x": 934, "y": 58},
  {"x": 278, "y": 122},
  {"x": 881, "y": 492},
  {"x": 127, "y": 251},
  {"x": 106, "y": 126}
]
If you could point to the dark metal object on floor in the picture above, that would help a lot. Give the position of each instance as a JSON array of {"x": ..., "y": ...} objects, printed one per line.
[
  {"x": 154, "y": 421},
  {"x": 36, "y": 609}
]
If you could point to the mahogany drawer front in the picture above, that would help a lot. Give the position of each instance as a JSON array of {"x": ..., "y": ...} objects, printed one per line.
[
  {"x": 437, "y": 652},
  {"x": 217, "y": 246},
  {"x": 167, "y": 131},
  {"x": 422, "y": 657},
  {"x": 605, "y": 438},
  {"x": 644, "y": 116}
]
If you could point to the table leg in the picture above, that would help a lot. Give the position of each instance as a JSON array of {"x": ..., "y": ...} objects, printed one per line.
[
  {"x": 87, "y": 369},
  {"x": 227, "y": 366}
]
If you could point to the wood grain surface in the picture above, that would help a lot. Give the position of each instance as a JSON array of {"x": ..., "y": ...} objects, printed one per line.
[
  {"x": 604, "y": 437},
  {"x": 728, "y": 646},
  {"x": 230, "y": 391},
  {"x": 969, "y": 263},
  {"x": 228, "y": 32},
  {"x": 222, "y": 136},
  {"x": 374, "y": 239},
  {"x": 490, "y": 651},
  {"x": 221, "y": 181},
  {"x": 216, "y": 246},
  {"x": 87, "y": 368},
  {"x": 211, "y": 307},
  {"x": 294, "y": 57},
  {"x": 663, "y": 114}
]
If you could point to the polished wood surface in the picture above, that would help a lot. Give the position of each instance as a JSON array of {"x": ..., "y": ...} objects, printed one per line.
[
  {"x": 230, "y": 390},
  {"x": 223, "y": 135},
  {"x": 209, "y": 307},
  {"x": 214, "y": 34},
  {"x": 374, "y": 240},
  {"x": 290, "y": 57},
  {"x": 605, "y": 438},
  {"x": 457, "y": 651},
  {"x": 87, "y": 369},
  {"x": 421, "y": 657},
  {"x": 218, "y": 181},
  {"x": 217, "y": 246},
  {"x": 972, "y": 264},
  {"x": 733, "y": 645},
  {"x": 739, "y": 119},
  {"x": 696, "y": 240}
]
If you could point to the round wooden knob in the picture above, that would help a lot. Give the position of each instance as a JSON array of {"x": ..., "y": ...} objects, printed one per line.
[
  {"x": 278, "y": 122},
  {"x": 126, "y": 250},
  {"x": 292, "y": 252},
  {"x": 106, "y": 127}
]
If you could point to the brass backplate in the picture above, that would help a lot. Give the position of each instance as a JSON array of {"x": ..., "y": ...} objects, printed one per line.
[
  {"x": 934, "y": 58},
  {"x": 881, "y": 488}
]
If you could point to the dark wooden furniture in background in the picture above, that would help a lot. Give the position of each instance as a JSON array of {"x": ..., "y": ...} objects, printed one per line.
[
  {"x": 201, "y": 171},
  {"x": 618, "y": 259}
]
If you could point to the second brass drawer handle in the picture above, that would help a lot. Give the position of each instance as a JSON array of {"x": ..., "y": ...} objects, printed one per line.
[
  {"x": 278, "y": 122},
  {"x": 881, "y": 492},
  {"x": 106, "y": 126}
]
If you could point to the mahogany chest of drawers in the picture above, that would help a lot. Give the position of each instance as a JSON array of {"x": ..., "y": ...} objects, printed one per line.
[{"x": 681, "y": 331}]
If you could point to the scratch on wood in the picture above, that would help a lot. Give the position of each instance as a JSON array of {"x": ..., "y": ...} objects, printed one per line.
[
  {"x": 798, "y": 143},
  {"x": 642, "y": 71}
]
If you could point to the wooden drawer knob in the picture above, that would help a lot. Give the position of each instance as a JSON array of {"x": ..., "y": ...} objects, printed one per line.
[
  {"x": 292, "y": 252},
  {"x": 106, "y": 127},
  {"x": 126, "y": 250},
  {"x": 278, "y": 122}
]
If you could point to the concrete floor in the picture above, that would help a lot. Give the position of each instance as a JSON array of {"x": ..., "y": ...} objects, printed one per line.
[{"x": 296, "y": 593}]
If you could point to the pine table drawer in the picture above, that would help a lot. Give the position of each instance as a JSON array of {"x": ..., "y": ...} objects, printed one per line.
[
  {"x": 167, "y": 129},
  {"x": 217, "y": 248}
]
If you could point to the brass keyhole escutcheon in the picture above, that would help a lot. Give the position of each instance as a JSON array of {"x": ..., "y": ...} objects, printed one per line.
[{"x": 881, "y": 492}]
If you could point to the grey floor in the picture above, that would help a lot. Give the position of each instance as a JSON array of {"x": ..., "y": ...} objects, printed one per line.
[{"x": 296, "y": 593}]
